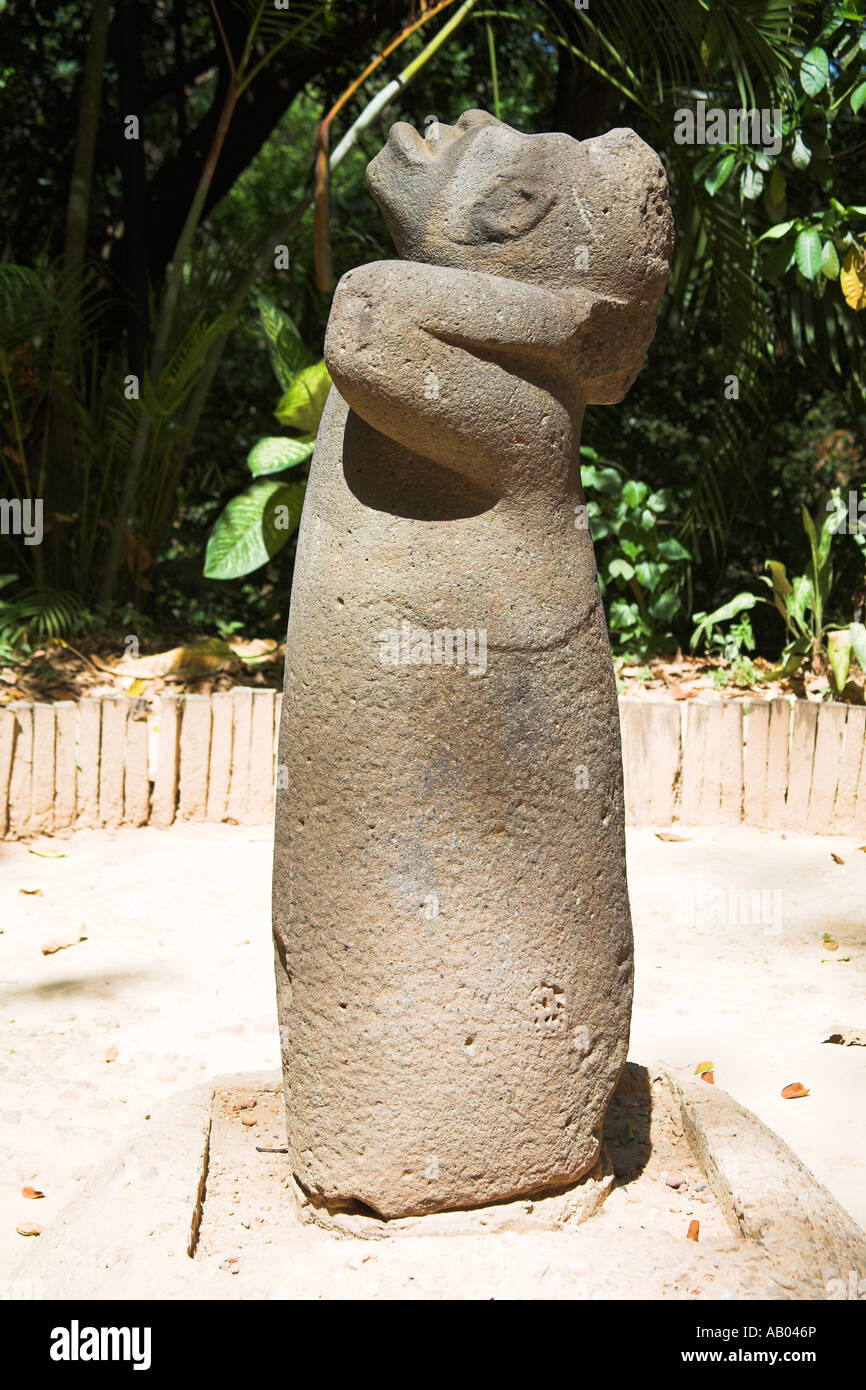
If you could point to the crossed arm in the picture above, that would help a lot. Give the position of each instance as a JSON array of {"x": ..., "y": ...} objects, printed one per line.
[{"x": 457, "y": 365}]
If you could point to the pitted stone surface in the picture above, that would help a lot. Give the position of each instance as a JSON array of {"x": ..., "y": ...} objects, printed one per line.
[{"x": 451, "y": 918}]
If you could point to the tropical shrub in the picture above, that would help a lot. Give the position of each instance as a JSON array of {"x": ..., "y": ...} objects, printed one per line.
[
  {"x": 641, "y": 564},
  {"x": 256, "y": 524}
]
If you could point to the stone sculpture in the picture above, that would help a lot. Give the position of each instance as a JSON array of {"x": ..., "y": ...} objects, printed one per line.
[{"x": 451, "y": 916}]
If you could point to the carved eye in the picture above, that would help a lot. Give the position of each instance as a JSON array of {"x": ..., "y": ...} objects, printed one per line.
[{"x": 511, "y": 210}]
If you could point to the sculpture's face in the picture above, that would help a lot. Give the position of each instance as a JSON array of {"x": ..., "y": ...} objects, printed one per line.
[{"x": 542, "y": 208}]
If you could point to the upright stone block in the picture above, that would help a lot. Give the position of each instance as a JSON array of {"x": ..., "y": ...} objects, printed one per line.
[
  {"x": 194, "y": 757},
  {"x": 89, "y": 739},
  {"x": 21, "y": 776},
  {"x": 66, "y": 790}
]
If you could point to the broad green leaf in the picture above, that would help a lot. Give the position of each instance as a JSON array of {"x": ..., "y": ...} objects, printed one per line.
[
  {"x": 780, "y": 229},
  {"x": 752, "y": 182},
  {"x": 858, "y": 96},
  {"x": 634, "y": 492},
  {"x": 801, "y": 599},
  {"x": 665, "y": 606},
  {"x": 620, "y": 569},
  {"x": 825, "y": 534},
  {"x": 839, "y": 652},
  {"x": 778, "y": 185},
  {"x": 302, "y": 405},
  {"x": 780, "y": 585},
  {"x": 252, "y": 528},
  {"x": 672, "y": 550},
  {"x": 279, "y": 452},
  {"x": 808, "y": 253},
  {"x": 814, "y": 71},
  {"x": 809, "y": 528},
  {"x": 649, "y": 574},
  {"x": 605, "y": 480},
  {"x": 778, "y": 256},
  {"x": 858, "y": 643},
  {"x": 792, "y": 659},
  {"x": 740, "y": 603},
  {"x": 801, "y": 155},
  {"x": 829, "y": 261},
  {"x": 287, "y": 353},
  {"x": 622, "y": 614},
  {"x": 719, "y": 175}
]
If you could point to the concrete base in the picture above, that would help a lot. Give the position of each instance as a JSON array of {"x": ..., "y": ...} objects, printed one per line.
[{"x": 205, "y": 1206}]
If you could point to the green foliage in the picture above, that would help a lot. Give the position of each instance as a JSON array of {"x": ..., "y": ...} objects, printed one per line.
[
  {"x": 103, "y": 415},
  {"x": 640, "y": 562},
  {"x": 256, "y": 525},
  {"x": 39, "y": 613},
  {"x": 802, "y": 604},
  {"x": 252, "y": 528},
  {"x": 728, "y": 629}
]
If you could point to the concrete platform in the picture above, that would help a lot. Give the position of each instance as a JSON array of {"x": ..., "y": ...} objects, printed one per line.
[{"x": 203, "y": 1205}]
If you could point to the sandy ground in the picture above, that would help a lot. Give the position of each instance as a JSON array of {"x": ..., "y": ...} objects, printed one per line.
[{"x": 173, "y": 984}]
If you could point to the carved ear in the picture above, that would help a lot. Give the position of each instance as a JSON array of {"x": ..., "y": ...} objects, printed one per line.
[{"x": 511, "y": 210}]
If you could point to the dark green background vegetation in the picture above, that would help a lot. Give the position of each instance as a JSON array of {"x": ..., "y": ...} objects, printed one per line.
[{"x": 730, "y": 477}]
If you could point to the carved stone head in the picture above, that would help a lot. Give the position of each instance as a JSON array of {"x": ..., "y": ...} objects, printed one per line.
[
  {"x": 545, "y": 208},
  {"x": 589, "y": 216}
]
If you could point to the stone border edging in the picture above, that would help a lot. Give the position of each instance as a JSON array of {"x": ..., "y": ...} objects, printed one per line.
[
  {"x": 766, "y": 1193},
  {"x": 775, "y": 765}
]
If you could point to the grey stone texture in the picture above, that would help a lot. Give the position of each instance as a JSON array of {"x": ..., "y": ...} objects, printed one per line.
[{"x": 451, "y": 917}]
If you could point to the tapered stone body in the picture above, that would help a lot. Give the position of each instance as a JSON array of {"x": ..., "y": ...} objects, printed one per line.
[{"x": 451, "y": 918}]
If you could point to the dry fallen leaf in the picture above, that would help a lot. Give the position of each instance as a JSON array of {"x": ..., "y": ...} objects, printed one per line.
[
  {"x": 702, "y": 1067},
  {"x": 709, "y": 1077},
  {"x": 794, "y": 1091},
  {"x": 28, "y": 1229},
  {"x": 209, "y": 654},
  {"x": 847, "y": 1037},
  {"x": 31, "y": 892},
  {"x": 669, "y": 835},
  {"x": 694, "y": 1230},
  {"x": 837, "y": 857},
  {"x": 111, "y": 1055},
  {"x": 63, "y": 943},
  {"x": 32, "y": 1192}
]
